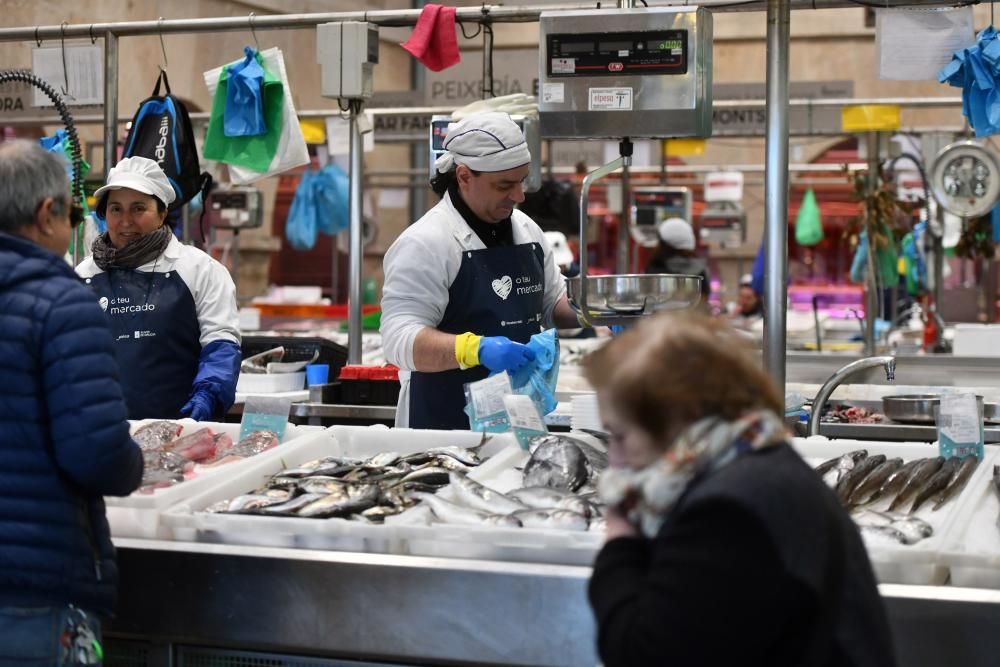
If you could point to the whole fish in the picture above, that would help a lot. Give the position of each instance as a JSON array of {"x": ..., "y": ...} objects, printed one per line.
[
  {"x": 921, "y": 475},
  {"x": 329, "y": 466},
  {"x": 540, "y": 497},
  {"x": 561, "y": 519},
  {"x": 467, "y": 457},
  {"x": 291, "y": 507},
  {"x": 348, "y": 500},
  {"x": 957, "y": 481},
  {"x": 322, "y": 485},
  {"x": 905, "y": 529},
  {"x": 556, "y": 463},
  {"x": 895, "y": 482},
  {"x": 936, "y": 483},
  {"x": 156, "y": 434},
  {"x": 253, "y": 502},
  {"x": 996, "y": 486},
  {"x": 857, "y": 474},
  {"x": 473, "y": 494},
  {"x": 873, "y": 482},
  {"x": 841, "y": 461},
  {"x": 456, "y": 514},
  {"x": 382, "y": 460},
  {"x": 579, "y": 506},
  {"x": 431, "y": 475}
]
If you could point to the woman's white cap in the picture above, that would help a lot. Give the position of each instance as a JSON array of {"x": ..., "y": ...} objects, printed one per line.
[
  {"x": 677, "y": 232},
  {"x": 140, "y": 174},
  {"x": 488, "y": 141}
]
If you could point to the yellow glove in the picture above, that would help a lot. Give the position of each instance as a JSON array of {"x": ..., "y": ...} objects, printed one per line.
[{"x": 467, "y": 350}]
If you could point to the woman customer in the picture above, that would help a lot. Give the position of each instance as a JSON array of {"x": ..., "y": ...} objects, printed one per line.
[
  {"x": 171, "y": 307},
  {"x": 723, "y": 546}
]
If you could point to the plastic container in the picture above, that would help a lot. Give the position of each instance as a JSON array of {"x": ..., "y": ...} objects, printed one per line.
[
  {"x": 317, "y": 374},
  {"x": 138, "y": 515},
  {"x": 895, "y": 563},
  {"x": 189, "y": 522},
  {"x": 369, "y": 385},
  {"x": 971, "y": 548},
  {"x": 270, "y": 383}
]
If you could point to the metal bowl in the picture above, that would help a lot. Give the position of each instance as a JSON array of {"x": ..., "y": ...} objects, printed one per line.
[
  {"x": 620, "y": 299},
  {"x": 913, "y": 408},
  {"x": 991, "y": 413}
]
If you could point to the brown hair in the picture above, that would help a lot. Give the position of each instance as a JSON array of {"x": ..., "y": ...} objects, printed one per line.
[{"x": 672, "y": 370}]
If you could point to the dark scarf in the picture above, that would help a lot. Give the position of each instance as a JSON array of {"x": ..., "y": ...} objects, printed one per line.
[{"x": 144, "y": 249}]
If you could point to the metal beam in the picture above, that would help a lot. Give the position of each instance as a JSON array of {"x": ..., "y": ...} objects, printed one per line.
[
  {"x": 776, "y": 191},
  {"x": 356, "y": 259}
]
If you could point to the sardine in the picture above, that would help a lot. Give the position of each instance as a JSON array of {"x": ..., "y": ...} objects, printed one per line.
[
  {"x": 352, "y": 498},
  {"x": 540, "y": 497},
  {"x": 873, "y": 482},
  {"x": 253, "y": 502},
  {"x": 432, "y": 475},
  {"x": 291, "y": 507},
  {"x": 895, "y": 482},
  {"x": 382, "y": 460},
  {"x": 556, "y": 463},
  {"x": 561, "y": 519},
  {"x": 957, "y": 482},
  {"x": 856, "y": 475},
  {"x": 937, "y": 483},
  {"x": 473, "y": 494},
  {"x": 456, "y": 514},
  {"x": 579, "y": 506},
  {"x": 322, "y": 485},
  {"x": 921, "y": 475},
  {"x": 841, "y": 461},
  {"x": 326, "y": 466}
]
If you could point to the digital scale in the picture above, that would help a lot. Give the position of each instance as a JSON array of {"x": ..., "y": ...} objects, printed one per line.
[
  {"x": 651, "y": 206},
  {"x": 965, "y": 179},
  {"x": 528, "y": 125}
]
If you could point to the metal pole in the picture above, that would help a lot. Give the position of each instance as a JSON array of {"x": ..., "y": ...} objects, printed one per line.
[
  {"x": 871, "y": 291},
  {"x": 776, "y": 191},
  {"x": 623, "y": 223},
  {"x": 356, "y": 259},
  {"x": 110, "y": 101}
]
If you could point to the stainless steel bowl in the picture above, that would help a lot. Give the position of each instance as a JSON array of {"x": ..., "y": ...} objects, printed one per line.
[
  {"x": 991, "y": 413},
  {"x": 913, "y": 408},
  {"x": 619, "y": 299}
]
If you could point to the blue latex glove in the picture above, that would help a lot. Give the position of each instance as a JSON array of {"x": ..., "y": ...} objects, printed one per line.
[
  {"x": 499, "y": 353},
  {"x": 199, "y": 407},
  {"x": 616, "y": 329}
]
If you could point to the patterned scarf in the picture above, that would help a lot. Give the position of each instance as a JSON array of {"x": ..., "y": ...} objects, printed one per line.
[
  {"x": 706, "y": 446},
  {"x": 144, "y": 249}
]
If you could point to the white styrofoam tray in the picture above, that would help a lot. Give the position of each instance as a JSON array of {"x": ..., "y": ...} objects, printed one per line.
[
  {"x": 138, "y": 515},
  {"x": 895, "y": 563},
  {"x": 190, "y": 522},
  {"x": 501, "y": 473},
  {"x": 971, "y": 548}
]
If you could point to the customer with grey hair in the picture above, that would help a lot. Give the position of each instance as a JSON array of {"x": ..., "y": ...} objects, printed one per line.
[{"x": 64, "y": 439}]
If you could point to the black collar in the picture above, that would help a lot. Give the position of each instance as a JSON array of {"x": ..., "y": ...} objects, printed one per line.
[{"x": 492, "y": 234}]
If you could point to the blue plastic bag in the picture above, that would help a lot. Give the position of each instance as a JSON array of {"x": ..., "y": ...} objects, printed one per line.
[
  {"x": 301, "y": 225},
  {"x": 976, "y": 70},
  {"x": 330, "y": 196},
  {"x": 244, "y": 113},
  {"x": 538, "y": 378}
]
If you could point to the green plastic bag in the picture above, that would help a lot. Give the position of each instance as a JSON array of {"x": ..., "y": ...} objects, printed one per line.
[
  {"x": 252, "y": 152},
  {"x": 808, "y": 224}
]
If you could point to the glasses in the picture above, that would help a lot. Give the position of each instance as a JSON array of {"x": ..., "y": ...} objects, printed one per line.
[{"x": 75, "y": 215}]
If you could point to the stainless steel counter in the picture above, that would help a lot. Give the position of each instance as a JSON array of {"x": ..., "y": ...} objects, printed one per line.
[
  {"x": 888, "y": 431},
  {"x": 942, "y": 370},
  {"x": 431, "y": 611},
  {"x": 329, "y": 411}
]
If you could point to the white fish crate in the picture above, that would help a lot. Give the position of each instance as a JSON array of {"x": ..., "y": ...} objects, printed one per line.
[
  {"x": 971, "y": 549},
  {"x": 138, "y": 515},
  {"x": 895, "y": 563},
  {"x": 189, "y": 521},
  {"x": 528, "y": 545}
]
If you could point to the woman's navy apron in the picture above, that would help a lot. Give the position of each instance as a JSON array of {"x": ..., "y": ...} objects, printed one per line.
[
  {"x": 157, "y": 338},
  {"x": 497, "y": 292}
]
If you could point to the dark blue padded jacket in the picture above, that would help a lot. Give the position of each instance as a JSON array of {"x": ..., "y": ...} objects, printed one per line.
[{"x": 64, "y": 440}]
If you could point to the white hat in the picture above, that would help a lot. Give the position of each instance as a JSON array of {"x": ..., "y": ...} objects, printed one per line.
[
  {"x": 561, "y": 253},
  {"x": 677, "y": 232},
  {"x": 140, "y": 174},
  {"x": 484, "y": 142}
]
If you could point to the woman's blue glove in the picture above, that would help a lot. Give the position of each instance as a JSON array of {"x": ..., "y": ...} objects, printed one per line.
[
  {"x": 199, "y": 408},
  {"x": 499, "y": 353}
]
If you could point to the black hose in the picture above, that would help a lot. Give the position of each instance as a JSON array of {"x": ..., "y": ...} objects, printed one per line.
[{"x": 77, "y": 159}]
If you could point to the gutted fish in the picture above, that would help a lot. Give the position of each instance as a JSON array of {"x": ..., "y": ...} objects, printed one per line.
[{"x": 157, "y": 434}]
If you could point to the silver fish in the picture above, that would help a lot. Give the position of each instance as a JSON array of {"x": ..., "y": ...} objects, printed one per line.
[
  {"x": 291, "y": 507},
  {"x": 957, "y": 481},
  {"x": 541, "y": 497},
  {"x": 321, "y": 484},
  {"x": 561, "y": 519},
  {"x": 382, "y": 460},
  {"x": 456, "y": 514},
  {"x": 895, "y": 481},
  {"x": 255, "y": 443},
  {"x": 254, "y": 502},
  {"x": 156, "y": 434},
  {"x": 845, "y": 462},
  {"x": 432, "y": 475},
  {"x": 921, "y": 474},
  {"x": 477, "y": 496},
  {"x": 937, "y": 483},
  {"x": 556, "y": 463},
  {"x": 852, "y": 478},
  {"x": 350, "y": 499},
  {"x": 873, "y": 482}
]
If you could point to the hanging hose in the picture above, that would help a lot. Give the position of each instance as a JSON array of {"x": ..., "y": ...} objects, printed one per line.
[{"x": 28, "y": 77}]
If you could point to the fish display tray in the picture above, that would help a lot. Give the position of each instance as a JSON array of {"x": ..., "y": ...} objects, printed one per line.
[
  {"x": 895, "y": 563},
  {"x": 188, "y": 520},
  {"x": 528, "y": 545},
  {"x": 138, "y": 515},
  {"x": 971, "y": 548}
]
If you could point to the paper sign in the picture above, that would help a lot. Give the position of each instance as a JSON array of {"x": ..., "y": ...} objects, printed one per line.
[
  {"x": 338, "y": 134},
  {"x": 83, "y": 72},
  {"x": 914, "y": 44},
  {"x": 960, "y": 426},
  {"x": 553, "y": 93}
]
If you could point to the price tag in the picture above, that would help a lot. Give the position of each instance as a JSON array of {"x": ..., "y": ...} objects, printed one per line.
[
  {"x": 525, "y": 419},
  {"x": 488, "y": 394},
  {"x": 960, "y": 426}
]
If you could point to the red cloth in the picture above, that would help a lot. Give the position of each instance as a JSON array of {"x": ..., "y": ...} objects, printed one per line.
[{"x": 433, "y": 41}]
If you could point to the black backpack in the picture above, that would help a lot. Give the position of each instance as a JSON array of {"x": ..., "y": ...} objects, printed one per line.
[{"x": 161, "y": 131}]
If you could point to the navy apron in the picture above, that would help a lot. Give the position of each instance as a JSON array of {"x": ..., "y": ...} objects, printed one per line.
[
  {"x": 497, "y": 292},
  {"x": 157, "y": 338}
]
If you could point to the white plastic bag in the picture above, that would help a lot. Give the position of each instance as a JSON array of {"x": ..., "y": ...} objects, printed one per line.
[{"x": 292, "y": 151}]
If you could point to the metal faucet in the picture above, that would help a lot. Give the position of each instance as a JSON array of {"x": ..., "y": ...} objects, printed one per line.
[{"x": 837, "y": 378}]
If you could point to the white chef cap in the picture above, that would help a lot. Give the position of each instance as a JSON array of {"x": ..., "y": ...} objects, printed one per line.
[
  {"x": 488, "y": 141},
  {"x": 677, "y": 232}
]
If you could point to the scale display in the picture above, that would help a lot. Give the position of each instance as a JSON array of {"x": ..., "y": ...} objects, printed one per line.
[
  {"x": 965, "y": 179},
  {"x": 651, "y": 206},
  {"x": 614, "y": 54}
]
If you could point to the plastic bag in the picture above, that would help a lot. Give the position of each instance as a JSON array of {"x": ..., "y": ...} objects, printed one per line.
[
  {"x": 292, "y": 150},
  {"x": 538, "y": 378},
  {"x": 976, "y": 70},
  {"x": 484, "y": 403},
  {"x": 301, "y": 225},
  {"x": 808, "y": 223},
  {"x": 331, "y": 199},
  {"x": 244, "y": 112},
  {"x": 886, "y": 263}
]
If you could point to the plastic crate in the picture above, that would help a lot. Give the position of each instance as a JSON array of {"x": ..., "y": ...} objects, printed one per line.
[{"x": 369, "y": 385}]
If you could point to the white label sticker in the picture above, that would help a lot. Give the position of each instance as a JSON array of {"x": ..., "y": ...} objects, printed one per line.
[
  {"x": 487, "y": 395},
  {"x": 610, "y": 99},
  {"x": 523, "y": 413},
  {"x": 563, "y": 65},
  {"x": 959, "y": 418},
  {"x": 623, "y": 53},
  {"x": 553, "y": 93}
]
